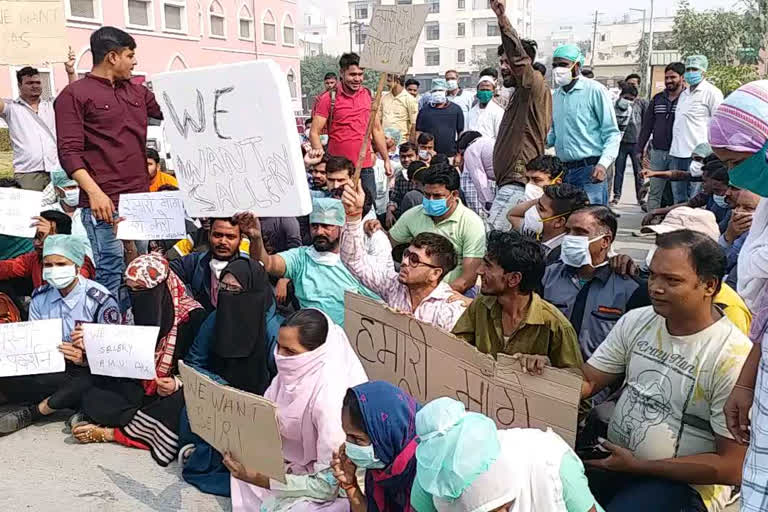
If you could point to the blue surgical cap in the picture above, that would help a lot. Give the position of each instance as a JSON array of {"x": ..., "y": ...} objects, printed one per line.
[
  {"x": 326, "y": 210},
  {"x": 69, "y": 246},
  {"x": 697, "y": 61},
  {"x": 439, "y": 84},
  {"x": 570, "y": 52},
  {"x": 60, "y": 179}
]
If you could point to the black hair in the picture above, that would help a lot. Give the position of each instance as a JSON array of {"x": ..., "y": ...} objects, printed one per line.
[
  {"x": 231, "y": 220},
  {"x": 9, "y": 183},
  {"x": 328, "y": 75},
  {"x": 399, "y": 78},
  {"x": 349, "y": 59},
  {"x": 440, "y": 248},
  {"x": 153, "y": 155},
  {"x": 465, "y": 139},
  {"x": 530, "y": 46},
  {"x": 109, "y": 39},
  {"x": 706, "y": 255},
  {"x": 517, "y": 253},
  {"x": 409, "y": 146},
  {"x": 551, "y": 164},
  {"x": 313, "y": 327},
  {"x": 414, "y": 168},
  {"x": 62, "y": 220},
  {"x": 167, "y": 188},
  {"x": 412, "y": 81},
  {"x": 352, "y": 406},
  {"x": 500, "y": 50},
  {"x": 715, "y": 169},
  {"x": 628, "y": 89},
  {"x": 442, "y": 174},
  {"x": 339, "y": 163},
  {"x": 26, "y": 71},
  {"x": 633, "y": 75},
  {"x": 587, "y": 72},
  {"x": 566, "y": 198},
  {"x": 490, "y": 72},
  {"x": 425, "y": 137},
  {"x": 308, "y": 121},
  {"x": 541, "y": 68},
  {"x": 677, "y": 67},
  {"x": 604, "y": 217},
  {"x": 440, "y": 158}
]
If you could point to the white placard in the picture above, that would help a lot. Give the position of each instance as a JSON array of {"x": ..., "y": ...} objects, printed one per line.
[
  {"x": 151, "y": 216},
  {"x": 30, "y": 348},
  {"x": 234, "y": 138},
  {"x": 17, "y": 207},
  {"x": 32, "y": 32},
  {"x": 392, "y": 36},
  {"x": 121, "y": 350}
]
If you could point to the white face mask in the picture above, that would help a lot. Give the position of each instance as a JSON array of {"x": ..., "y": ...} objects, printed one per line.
[
  {"x": 60, "y": 277},
  {"x": 217, "y": 266},
  {"x": 71, "y": 197},
  {"x": 562, "y": 76},
  {"x": 437, "y": 98},
  {"x": 574, "y": 250},
  {"x": 452, "y": 85},
  {"x": 532, "y": 224},
  {"x": 423, "y": 155},
  {"x": 306, "y": 132},
  {"x": 532, "y": 192},
  {"x": 696, "y": 169}
]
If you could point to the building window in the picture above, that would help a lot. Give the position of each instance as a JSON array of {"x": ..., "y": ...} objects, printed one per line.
[
  {"x": 89, "y": 10},
  {"x": 174, "y": 15},
  {"x": 460, "y": 4},
  {"x": 433, "y": 6},
  {"x": 433, "y": 31},
  {"x": 139, "y": 13},
  {"x": 360, "y": 35},
  {"x": 216, "y": 19},
  {"x": 288, "y": 31},
  {"x": 432, "y": 56},
  {"x": 404, "y": 2},
  {"x": 361, "y": 12},
  {"x": 461, "y": 30},
  {"x": 461, "y": 56},
  {"x": 268, "y": 27},
  {"x": 493, "y": 29},
  {"x": 245, "y": 22},
  {"x": 291, "y": 77}
]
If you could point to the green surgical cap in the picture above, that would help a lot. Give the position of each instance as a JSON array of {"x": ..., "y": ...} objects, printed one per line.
[
  {"x": 69, "y": 246},
  {"x": 455, "y": 447},
  {"x": 326, "y": 210},
  {"x": 570, "y": 52},
  {"x": 393, "y": 134},
  {"x": 439, "y": 84},
  {"x": 697, "y": 61},
  {"x": 60, "y": 179},
  {"x": 703, "y": 150}
]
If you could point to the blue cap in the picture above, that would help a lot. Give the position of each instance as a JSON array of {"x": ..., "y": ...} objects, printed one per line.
[
  {"x": 60, "y": 179},
  {"x": 439, "y": 84},
  {"x": 697, "y": 61},
  {"x": 69, "y": 246},
  {"x": 326, "y": 210}
]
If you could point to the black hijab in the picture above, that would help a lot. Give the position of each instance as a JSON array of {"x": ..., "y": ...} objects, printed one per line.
[{"x": 154, "y": 307}]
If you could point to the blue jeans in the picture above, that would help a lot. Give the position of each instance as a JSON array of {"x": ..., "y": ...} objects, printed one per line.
[
  {"x": 680, "y": 188},
  {"x": 582, "y": 177},
  {"x": 618, "y": 492},
  {"x": 107, "y": 253},
  {"x": 507, "y": 197}
]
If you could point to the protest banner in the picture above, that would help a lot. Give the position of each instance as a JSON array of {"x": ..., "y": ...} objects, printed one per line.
[
  {"x": 151, "y": 216},
  {"x": 32, "y": 32},
  {"x": 234, "y": 421},
  {"x": 30, "y": 348},
  {"x": 121, "y": 350},
  {"x": 17, "y": 207},
  {"x": 234, "y": 140},
  {"x": 430, "y": 363}
]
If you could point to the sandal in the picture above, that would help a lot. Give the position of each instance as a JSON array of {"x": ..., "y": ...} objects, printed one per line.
[{"x": 90, "y": 433}]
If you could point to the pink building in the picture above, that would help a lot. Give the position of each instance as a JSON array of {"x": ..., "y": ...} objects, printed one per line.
[{"x": 179, "y": 34}]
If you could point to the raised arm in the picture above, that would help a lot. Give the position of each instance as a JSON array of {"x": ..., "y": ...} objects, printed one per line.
[
  {"x": 510, "y": 39},
  {"x": 249, "y": 225}
]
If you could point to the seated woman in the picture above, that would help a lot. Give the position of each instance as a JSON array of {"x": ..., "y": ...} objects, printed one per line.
[
  {"x": 315, "y": 367},
  {"x": 379, "y": 420},
  {"x": 463, "y": 463},
  {"x": 159, "y": 299},
  {"x": 235, "y": 346}
]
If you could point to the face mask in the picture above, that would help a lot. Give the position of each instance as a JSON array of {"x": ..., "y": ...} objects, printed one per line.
[
  {"x": 362, "y": 456},
  {"x": 574, "y": 250},
  {"x": 484, "y": 96},
  {"x": 71, "y": 197},
  {"x": 649, "y": 256},
  {"x": 696, "y": 169},
  {"x": 720, "y": 201},
  {"x": 324, "y": 140},
  {"x": 693, "y": 77},
  {"x": 562, "y": 76},
  {"x": 453, "y": 85},
  {"x": 434, "y": 207},
  {"x": 423, "y": 155},
  {"x": 60, "y": 277},
  {"x": 437, "y": 98},
  {"x": 623, "y": 103},
  {"x": 532, "y": 223},
  {"x": 217, "y": 266},
  {"x": 752, "y": 173},
  {"x": 532, "y": 192}
]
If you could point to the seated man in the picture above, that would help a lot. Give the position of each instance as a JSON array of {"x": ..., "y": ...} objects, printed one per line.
[
  {"x": 75, "y": 300},
  {"x": 68, "y": 198},
  {"x": 157, "y": 178},
  {"x": 583, "y": 285},
  {"x": 200, "y": 271},
  {"x": 545, "y": 217},
  {"x": 509, "y": 317},
  {"x": 737, "y": 230},
  {"x": 319, "y": 277},
  {"x": 402, "y": 184},
  {"x": 443, "y": 213},
  {"x": 669, "y": 445},
  {"x": 542, "y": 171},
  {"x": 419, "y": 288}
]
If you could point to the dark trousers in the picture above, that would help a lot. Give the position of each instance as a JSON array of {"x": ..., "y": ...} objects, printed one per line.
[
  {"x": 64, "y": 390},
  {"x": 619, "y": 492},
  {"x": 627, "y": 150},
  {"x": 368, "y": 178}
]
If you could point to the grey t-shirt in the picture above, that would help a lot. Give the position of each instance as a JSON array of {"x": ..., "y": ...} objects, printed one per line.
[{"x": 411, "y": 199}]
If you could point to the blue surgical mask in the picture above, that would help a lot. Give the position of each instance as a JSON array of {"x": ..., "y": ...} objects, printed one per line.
[
  {"x": 720, "y": 201},
  {"x": 693, "y": 77},
  {"x": 752, "y": 173},
  {"x": 434, "y": 207},
  {"x": 363, "y": 456}
]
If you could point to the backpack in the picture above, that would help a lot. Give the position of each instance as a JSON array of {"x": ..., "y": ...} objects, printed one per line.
[{"x": 9, "y": 313}]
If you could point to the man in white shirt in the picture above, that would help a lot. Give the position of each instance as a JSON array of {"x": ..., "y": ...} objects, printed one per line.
[
  {"x": 695, "y": 107},
  {"x": 32, "y": 128},
  {"x": 485, "y": 116},
  {"x": 456, "y": 94}
]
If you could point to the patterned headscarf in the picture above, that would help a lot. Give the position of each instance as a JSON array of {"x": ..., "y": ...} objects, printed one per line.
[{"x": 740, "y": 123}]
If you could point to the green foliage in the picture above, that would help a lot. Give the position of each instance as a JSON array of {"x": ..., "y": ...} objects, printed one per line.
[
  {"x": 5, "y": 140},
  {"x": 661, "y": 41},
  {"x": 585, "y": 46},
  {"x": 730, "y": 78},
  {"x": 484, "y": 61},
  {"x": 313, "y": 70}
]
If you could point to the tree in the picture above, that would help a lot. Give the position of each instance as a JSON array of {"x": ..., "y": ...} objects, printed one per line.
[
  {"x": 718, "y": 34},
  {"x": 730, "y": 78},
  {"x": 313, "y": 70},
  {"x": 585, "y": 46},
  {"x": 661, "y": 41},
  {"x": 484, "y": 61}
]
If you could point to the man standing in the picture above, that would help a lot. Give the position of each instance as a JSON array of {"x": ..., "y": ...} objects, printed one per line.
[
  {"x": 526, "y": 121},
  {"x": 694, "y": 110},
  {"x": 157, "y": 177},
  {"x": 344, "y": 112},
  {"x": 101, "y": 122},
  {"x": 456, "y": 94},
  {"x": 658, "y": 121},
  {"x": 402, "y": 184},
  {"x": 637, "y": 108},
  {"x": 485, "y": 117},
  {"x": 412, "y": 86},
  {"x": 584, "y": 131},
  {"x": 32, "y": 128},
  {"x": 399, "y": 109},
  {"x": 442, "y": 118}
]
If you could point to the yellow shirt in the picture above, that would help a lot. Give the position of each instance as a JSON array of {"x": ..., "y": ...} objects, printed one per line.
[
  {"x": 161, "y": 179},
  {"x": 399, "y": 112},
  {"x": 734, "y": 308}
]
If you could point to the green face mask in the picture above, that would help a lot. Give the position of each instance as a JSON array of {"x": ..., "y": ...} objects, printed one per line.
[
  {"x": 484, "y": 96},
  {"x": 752, "y": 173}
]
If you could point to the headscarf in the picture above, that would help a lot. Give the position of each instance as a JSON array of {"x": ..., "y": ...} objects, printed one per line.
[
  {"x": 569, "y": 52},
  {"x": 697, "y": 61},
  {"x": 68, "y": 246},
  {"x": 478, "y": 162},
  {"x": 166, "y": 306},
  {"x": 326, "y": 210},
  {"x": 389, "y": 417},
  {"x": 241, "y": 346},
  {"x": 309, "y": 392}
]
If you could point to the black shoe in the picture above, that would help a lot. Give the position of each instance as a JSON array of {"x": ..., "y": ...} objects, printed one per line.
[
  {"x": 16, "y": 420},
  {"x": 617, "y": 214}
]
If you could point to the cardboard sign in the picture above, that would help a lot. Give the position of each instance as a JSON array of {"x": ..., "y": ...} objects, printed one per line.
[
  {"x": 17, "y": 207},
  {"x": 121, "y": 350},
  {"x": 152, "y": 216},
  {"x": 32, "y": 32},
  {"x": 234, "y": 421},
  {"x": 392, "y": 37},
  {"x": 234, "y": 140},
  {"x": 430, "y": 363},
  {"x": 30, "y": 348}
]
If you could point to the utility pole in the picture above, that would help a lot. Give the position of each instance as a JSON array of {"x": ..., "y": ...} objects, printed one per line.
[
  {"x": 594, "y": 40},
  {"x": 649, "y": 69}
]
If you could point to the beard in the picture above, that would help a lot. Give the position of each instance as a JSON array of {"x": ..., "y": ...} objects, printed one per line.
[{"x": 324, "y": 244}]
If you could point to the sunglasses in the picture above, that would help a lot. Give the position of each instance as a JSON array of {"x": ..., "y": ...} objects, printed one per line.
[{"x": 412, "y": 260}]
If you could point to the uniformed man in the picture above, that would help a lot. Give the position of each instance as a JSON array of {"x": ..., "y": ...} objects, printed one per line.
[{"x": 75, "y": 300}]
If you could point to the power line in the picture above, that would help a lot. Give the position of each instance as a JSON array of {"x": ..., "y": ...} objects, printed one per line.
[{"x": 594, "y": 38}]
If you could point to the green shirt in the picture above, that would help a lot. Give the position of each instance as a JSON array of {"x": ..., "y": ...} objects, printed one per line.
[
  {"x": 544, "y": 331},
  {"x": 464, "y": 228}
]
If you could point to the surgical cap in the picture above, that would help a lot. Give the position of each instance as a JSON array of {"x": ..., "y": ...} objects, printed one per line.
[
  {"x": 455, "y": 447},
  {"x": 60, "y": 179},
  {"x": 703, "y": 150},
  {"x": 439, "y": 84},
  {"x": 569, "y": 52},
  {"x": 69, "y": 246},
  {"x": 393, "y": 134},
  {"x": 697, "y": 61},
  {"x": 326, "y": 210}
]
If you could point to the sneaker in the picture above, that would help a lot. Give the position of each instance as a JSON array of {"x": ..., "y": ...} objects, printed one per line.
[{"x": 16, "y": 420}]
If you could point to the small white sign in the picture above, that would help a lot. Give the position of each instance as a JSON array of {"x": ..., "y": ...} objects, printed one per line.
[
  {"x": 151, "y": 216},
  {"x": 30, "y": 348},
  {"x": 17, "y": 207},
  {"x": 121, "y": 350}
]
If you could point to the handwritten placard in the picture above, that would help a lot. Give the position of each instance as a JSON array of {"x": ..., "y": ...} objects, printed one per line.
[
  {"x": 430, "y": 363},
  {"x": 32, "y": 32},
  {"x": 234, "y": 421},
  {"x": 392, "y": 37},
  {"x": 30, "y": 348},
  {"x": 17, "y": 207},
  {"x": 121, "y": 350},
  {"x": 151, "y": 216},
  {"x": 234, "y": 140}
]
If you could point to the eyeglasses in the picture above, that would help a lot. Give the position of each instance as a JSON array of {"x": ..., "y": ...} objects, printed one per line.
[{"x": 412, "y": 260}]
